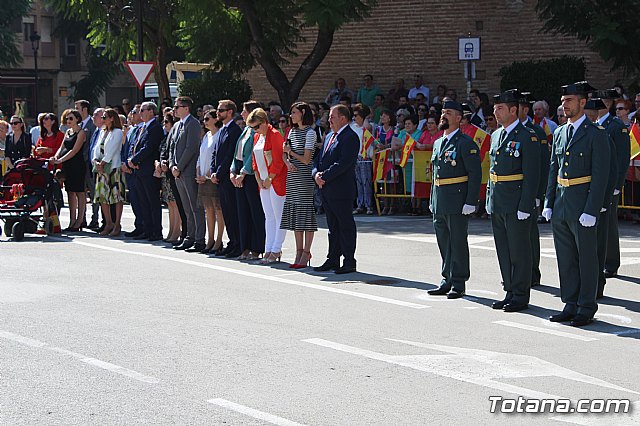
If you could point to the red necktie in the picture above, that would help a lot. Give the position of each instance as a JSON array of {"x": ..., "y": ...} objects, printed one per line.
[{"x": 333, "y": 137}]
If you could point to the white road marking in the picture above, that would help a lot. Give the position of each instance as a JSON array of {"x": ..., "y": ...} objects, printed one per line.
[
  {"x": 83, "y": 358},
  {"x": 252, "y": 412},
  {"x": 487, "y": 292},
  {"x": 471, "y": 308},
  {"x": 484, "y": 368},
  {"x": 260, "y": 276},
  {"x": 621, "y": 318},
  {"x": 546, "y": 331}
]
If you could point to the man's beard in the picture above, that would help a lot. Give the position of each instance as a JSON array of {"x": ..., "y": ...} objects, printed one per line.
[{"x": 444, "y": 124}]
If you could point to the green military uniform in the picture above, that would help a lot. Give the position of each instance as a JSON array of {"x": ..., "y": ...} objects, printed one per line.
[
  {"x": 605, "y": 213},
  {"x": 511, "y": 190},
  {"x": 576, "y": 187},
  {"x": 534, "y": 235},
  {"x": 620, "y": 136},
  {"x": 456, "y": 176}
]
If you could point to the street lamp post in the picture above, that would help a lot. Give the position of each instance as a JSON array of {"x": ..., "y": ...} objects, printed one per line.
[{"x": 35, "y": 46}]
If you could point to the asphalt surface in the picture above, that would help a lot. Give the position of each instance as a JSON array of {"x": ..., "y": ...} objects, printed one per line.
[{"x": 108, "y": 331}]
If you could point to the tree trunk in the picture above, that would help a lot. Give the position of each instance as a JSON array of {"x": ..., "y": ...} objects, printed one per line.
[{"x": 160, "y": 73}]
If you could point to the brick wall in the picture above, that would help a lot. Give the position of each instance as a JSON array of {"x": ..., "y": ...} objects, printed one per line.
[{"x": 404, "y": 37}]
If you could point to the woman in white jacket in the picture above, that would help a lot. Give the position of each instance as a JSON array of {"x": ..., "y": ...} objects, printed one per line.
[{"x": 109, "y": 186}]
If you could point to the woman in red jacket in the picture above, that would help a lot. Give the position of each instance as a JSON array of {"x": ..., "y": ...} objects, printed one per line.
[{"x": 271, "y": 174}]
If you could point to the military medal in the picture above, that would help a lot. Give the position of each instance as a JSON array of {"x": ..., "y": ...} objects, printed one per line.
[
  {"x": 516, "y": 149},
  {"x": 516, "y": 154},
  {"x": 453, "y": 159}
]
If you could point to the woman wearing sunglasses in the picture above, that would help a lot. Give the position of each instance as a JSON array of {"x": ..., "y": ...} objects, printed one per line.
[
  {"x": 18, "y": 144},
  {"x": 74, "y": 168},
  {"x": 50, "y": 138}
]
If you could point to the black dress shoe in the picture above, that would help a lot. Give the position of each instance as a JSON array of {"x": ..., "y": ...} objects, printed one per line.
[
  {"x": 155, "y": 237},
  {"x": 440, "y": 291},
  {"x": 205, "y": 251},
  {"x": 141, "y": 237},
  {"x": 232, "y": 254},
  {"x": 183, "y": 246},
  {"x": 327, "y": 266},
  {"x": 345, "y": 270},
  {"x": 580, "y": 321},
  {"x": 610, "y": 274},
  {"x": 515, "y": 307},
  {"x": 100, "y": 229},
  {"x": 218, "y": 252},
  {"x": 178, "y": 242},
  {"x": 133, "y": 233},
  {"x": 561, "y": 317},
  {"x": 455, "y": 294},
  {"x": 196, "y": 248},
  {"x": 500, "y": 304}
]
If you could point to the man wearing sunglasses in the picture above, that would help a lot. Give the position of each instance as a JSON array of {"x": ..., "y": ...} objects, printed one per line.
[{"x": 184, "y": 146}]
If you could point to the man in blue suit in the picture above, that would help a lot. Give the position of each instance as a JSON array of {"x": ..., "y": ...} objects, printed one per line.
[
  {"x": 142, "y": 160},
  {"x": 220, "y": 175},
  {"x": 334, "y": 173},
  {"x": 132, "y": 136}
]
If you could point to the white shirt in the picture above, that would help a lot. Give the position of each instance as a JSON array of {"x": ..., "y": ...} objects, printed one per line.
[
  {"x": 261, "y": 162},
  {"x": 510, "y": 127},
  {"x": 576, "y": 124},
  {"x": 35, "y": 134},
  {"x": 208, "y": 146},
  {"x": 422, "y": 89},
  {"x": 450, "y": 135}
]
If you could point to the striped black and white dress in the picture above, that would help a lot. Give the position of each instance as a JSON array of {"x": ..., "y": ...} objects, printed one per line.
[{"x": 299, "y": 213}]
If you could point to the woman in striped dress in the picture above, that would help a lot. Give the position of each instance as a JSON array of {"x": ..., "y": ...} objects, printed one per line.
[{"x": 299, "y": 213}]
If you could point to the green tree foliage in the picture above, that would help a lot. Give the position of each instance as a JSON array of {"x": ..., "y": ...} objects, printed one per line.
[
  {"x": 543, "y": 78},
  {"x": 213, "y": 86},
  {"x": 609, "y": 27},
  {"x": 237, "y": 35},
  {"x": 112, "y": 24},
  {"x": 12, "y": 11}
]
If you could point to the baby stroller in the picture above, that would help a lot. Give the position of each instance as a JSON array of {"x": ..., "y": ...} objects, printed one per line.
[{"x": 27, "y": 199}]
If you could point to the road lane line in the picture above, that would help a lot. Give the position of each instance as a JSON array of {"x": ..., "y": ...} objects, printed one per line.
[
  {"x": 252, "y": 412},
  {"x": 83, "y": 358},
  {"x": 546, "y": 331},
  {"x": 260, "y": 276}
]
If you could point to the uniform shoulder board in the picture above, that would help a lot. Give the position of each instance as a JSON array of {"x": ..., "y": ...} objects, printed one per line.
[
  {"x": 624, "y": 130},
  {"x": 534, "y": 138},
  {"x": 473, "y": 151},
  {"x": 600, "y": 127}
]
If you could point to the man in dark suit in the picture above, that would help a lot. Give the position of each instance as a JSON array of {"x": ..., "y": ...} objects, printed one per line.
[
  {"x": 578, "y": 177},
  {"x": 142, "y": 160},
  {"x": 220, "y": 175},
  {"x": 89, "y": 127},
  {"x": 184, "y": 140},
  {"x": 335, "y": 174},
  {"x": 511, "y": 192},
  {"x": 125, "y": 154},
  {"x": 620, "y": 136},
  {"x": 456, "y": 173},
  {"x": 534, "y": 235}
]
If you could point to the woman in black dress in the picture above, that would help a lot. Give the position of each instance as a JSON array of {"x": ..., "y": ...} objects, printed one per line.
[
  {"x": 74, "y": 168},
  {"x": 18, "y": 144}
]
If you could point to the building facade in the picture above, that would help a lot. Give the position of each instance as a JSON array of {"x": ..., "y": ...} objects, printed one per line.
[{"x": 402, "y": 38}]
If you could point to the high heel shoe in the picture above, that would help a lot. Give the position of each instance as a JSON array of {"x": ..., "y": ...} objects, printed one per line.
[
  {"x": 298, "y": 257},
  {"x": 116, "y": 231},
  {"x": 305, "y": 260},
  {"x": 70, "y": 229},
  {"x": 107, "y": 230},
  {"x": 274, "y": 257}
]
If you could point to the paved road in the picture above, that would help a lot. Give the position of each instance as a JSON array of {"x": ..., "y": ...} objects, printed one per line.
[{"x": 109, "y": 331}]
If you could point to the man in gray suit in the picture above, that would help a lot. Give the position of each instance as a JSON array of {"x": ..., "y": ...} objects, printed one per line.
[
  {"x": 87, "y": 125},
  {"x": 184, "y": 146}
]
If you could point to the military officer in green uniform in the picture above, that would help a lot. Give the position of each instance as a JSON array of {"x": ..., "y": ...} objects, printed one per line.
[
  {"x": 619, "y": 134},
  {"x": 456, "y": 176},
  {"x": 511, "y": 193},
  {"x": 578, "y": 175},
  {"x": 592, "y": 108},
  {"x": 545, "y": 156}
]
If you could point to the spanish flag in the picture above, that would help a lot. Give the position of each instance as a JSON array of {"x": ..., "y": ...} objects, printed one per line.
[
  {"x": 367, "y": 140},
  {"x": 483, "y": 140},
  {"x": 409, "y": 144},
  {"x": 381, "y": 159},
  {"x": 634, "y": 136}
]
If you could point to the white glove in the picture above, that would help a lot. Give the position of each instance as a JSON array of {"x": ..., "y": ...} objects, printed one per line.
[
  {"x": 616, "y": 191},
  {"x": 430, "y": 208},
  {"x": 602, "y": 210},
  {"x": 487, "y": 209},
  {"x": 468, "y": 209},
  {"x": 523, "y": 215},
  {"x": 587, "y": 220},
  {"x": 546, "y": 213},
  {"x": 537, "y": 202}
]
